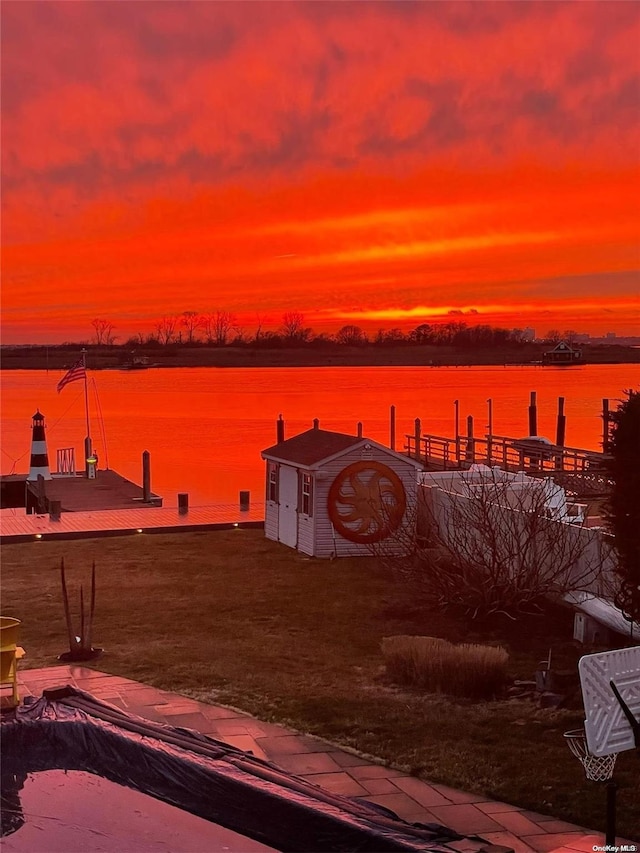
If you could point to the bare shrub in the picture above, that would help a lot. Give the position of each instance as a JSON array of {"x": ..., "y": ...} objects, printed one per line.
[
  {"x": 486, "y": 546},
  {"x": 468, "y": 669}
]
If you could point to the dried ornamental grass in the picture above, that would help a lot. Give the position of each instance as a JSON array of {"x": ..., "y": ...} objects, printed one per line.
[{"x": 468, "y": 669}]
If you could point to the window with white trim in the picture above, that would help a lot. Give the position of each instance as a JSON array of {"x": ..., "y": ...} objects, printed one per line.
[
  {"x": 272, "y": 482},
  {"x": 307, "y": 494}
]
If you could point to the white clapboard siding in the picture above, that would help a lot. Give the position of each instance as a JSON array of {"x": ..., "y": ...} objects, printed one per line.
[
  {"x": 305, "y": 534},
  {"x": 329, "y": 543},
  {"x": 271, "y": 520}
]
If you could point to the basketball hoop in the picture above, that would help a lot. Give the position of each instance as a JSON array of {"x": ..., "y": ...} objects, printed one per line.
[{"x": 597, "y": 768}]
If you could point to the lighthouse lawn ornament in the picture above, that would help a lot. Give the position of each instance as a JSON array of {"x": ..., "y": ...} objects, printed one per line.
[{"x": 39, "y": 457}]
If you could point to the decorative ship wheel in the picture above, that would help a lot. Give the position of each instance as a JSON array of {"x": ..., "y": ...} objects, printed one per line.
[{"x": 366, "y": 502}]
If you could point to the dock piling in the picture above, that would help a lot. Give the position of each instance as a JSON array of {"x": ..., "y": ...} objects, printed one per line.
[
  {"x": 471, "y": 455},
  {"x": 146, "y": 476},
  {"x": 417, "y": 436},
  {"x": 490, "y": 432},
  {"x": 605, "y": 425},
  {"x": 533, "y": 415},
  {"x": 392, "y": 428},
  {"x": 560, "y": 429},
  {"x": 55, "y": 509}
]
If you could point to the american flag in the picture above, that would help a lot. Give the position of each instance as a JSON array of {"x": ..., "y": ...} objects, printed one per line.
[{"x": 74, "y": 373}]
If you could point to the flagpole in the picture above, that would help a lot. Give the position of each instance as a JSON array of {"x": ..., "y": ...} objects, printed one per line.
[
  {"x": 88, "y": 450},
  {"x": 86, "y": 392}
]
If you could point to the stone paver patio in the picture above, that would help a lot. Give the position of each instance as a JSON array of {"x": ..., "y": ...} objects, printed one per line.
[{"x": 328, "y": 765}]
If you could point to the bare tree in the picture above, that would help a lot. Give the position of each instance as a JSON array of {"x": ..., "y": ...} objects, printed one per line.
[
  {"x": 103, "y": 332},
  {"x": 191, "y": 321},
  {"x": 218, "y": 327},
  {"x": 293, "y": 328},
  {"x": 166, "y": 328},
  {"x": 351, "y": 336},
  {"x": 260, "y": 320},
  {"x": 490, "y": 544}
]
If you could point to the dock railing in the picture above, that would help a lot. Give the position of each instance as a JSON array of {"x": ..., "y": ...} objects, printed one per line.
[
  {"x": 66, "y": 462},
  {"x": 510, "y": 454}
]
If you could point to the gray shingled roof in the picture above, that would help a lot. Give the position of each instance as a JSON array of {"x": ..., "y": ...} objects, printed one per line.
[{"x": 311, "y": 446}]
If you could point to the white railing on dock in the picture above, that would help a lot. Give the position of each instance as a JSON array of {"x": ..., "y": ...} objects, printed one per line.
[{"x": 66, "y": 461}]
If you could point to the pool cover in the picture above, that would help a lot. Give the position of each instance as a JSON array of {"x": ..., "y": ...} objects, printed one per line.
[{"x": 68, "y": 729}]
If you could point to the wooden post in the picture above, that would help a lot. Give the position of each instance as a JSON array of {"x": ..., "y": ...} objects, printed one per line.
[
  {"x": 456, "y": 405},
  {"x": 560, "y": 428},
  {"x": 146, "y": 476},
  {"x": 418, "y": 432},
  {"x": 392, "y": 428},
  {"x": 359, "y": 429},
  {"x": 533, "y": 415},
  {"x": 605, "y": 425},
  {"x": 41, "y": 495},
  {"x": 471, "y": 456},
  {"x": 490, "y": 432},
  {"x": 279, "y": 429}
]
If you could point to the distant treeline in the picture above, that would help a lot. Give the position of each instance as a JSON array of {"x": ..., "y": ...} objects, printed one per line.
[{"x": 221, "y": 329}]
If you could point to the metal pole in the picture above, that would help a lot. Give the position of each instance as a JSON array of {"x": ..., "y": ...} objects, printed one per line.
[
  {"x": 86, "y": 392},
  {"x": 611, "y": 814},
  {"x": 88, "y": 449}
]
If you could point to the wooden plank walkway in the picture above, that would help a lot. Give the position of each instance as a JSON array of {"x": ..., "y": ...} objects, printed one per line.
[{"x": 17, "y": 526}]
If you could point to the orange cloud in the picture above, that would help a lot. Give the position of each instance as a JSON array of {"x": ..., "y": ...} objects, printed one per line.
[{"x": 162, "y": 157}]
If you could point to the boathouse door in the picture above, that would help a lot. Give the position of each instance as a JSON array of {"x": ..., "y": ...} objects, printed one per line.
[{"x": 288, "y": 510}]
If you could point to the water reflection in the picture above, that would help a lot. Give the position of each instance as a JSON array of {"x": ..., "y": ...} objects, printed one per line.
[
  {"x": 72, "y": 812},
  {"x": 205, "y": 428}
]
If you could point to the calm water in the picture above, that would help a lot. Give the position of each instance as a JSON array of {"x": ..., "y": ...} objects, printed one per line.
[{"x": 205, "y": 428}]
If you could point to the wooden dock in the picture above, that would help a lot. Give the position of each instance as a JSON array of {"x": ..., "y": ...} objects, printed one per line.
[
  {"x": 75, "y": 492},
  {"x": 17, "y": 526},
  {"x": 581, "y": 471}
]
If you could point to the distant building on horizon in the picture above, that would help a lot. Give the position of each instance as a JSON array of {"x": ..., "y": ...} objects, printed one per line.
[{"x": 528, "y": 334}]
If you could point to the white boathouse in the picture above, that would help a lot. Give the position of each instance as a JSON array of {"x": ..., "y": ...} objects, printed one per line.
[{"x": 330, "y": 494}]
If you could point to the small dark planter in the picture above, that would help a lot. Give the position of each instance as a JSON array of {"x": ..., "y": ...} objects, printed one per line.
[{"x": 80, "y": 655}]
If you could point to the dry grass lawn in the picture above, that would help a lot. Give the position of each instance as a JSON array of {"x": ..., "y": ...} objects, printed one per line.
[{"x": 231, "y": 617}]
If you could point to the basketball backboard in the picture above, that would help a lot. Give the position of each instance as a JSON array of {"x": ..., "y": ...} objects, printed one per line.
[{"x": 607, "y": 728}]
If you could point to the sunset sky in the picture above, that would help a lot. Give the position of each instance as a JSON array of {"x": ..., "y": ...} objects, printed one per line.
[{"x": 376, "y": 163}]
